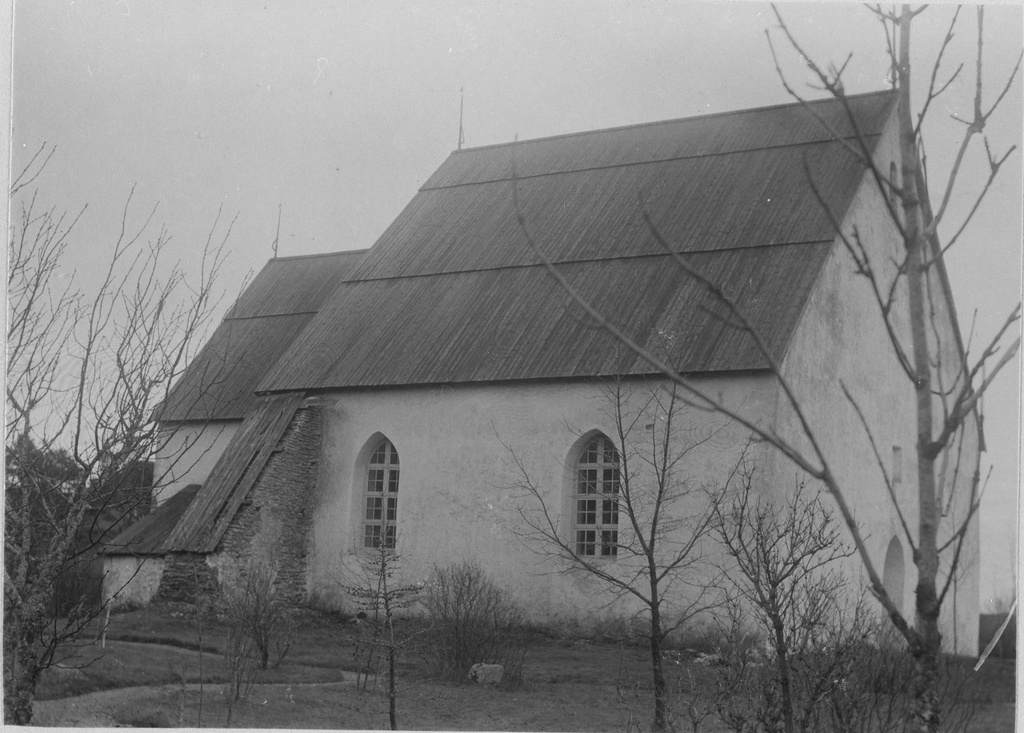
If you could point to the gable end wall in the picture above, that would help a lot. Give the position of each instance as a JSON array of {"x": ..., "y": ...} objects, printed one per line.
[{"x": 840, "y": 341}]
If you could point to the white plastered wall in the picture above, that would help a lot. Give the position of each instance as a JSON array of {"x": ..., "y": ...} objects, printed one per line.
[
  {"x": 458, "y": 495},
  {"x": 130, "y": 581},
  {"x": 189, "y": 453},
  {"x": 841, "y": 341}
]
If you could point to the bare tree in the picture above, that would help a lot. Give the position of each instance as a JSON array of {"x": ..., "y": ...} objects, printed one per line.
[
  {"x": 946, "y": 384},
  {"x": 379, "y": 596},
  {"x": 257, "y": 609},
  {"x": 784, "y": 555},
  {"x": 947, "y": 381},
  {"x": 85, "y": 369},
  {"x": 652, "y": 522}
]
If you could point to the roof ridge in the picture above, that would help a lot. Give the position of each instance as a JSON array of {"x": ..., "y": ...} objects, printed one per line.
[{"x": 655, "y": 123}]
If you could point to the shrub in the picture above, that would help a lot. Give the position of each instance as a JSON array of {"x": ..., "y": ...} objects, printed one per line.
[
  {"x": 855, "y": 678},
  {"x": 259, "y": 613},
  {"x": 239, "y": 666},
  {"x": 473, "y": 621}
]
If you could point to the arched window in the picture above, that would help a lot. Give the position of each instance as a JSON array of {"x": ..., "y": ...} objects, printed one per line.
[
  {"x": 595, "y": 499},
  {"x": 381, "y": 496}
]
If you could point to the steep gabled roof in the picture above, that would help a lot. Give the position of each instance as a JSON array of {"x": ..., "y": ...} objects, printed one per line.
[
  {"x": 451, "y": 292},
  {"x": 282, "y": 299}
]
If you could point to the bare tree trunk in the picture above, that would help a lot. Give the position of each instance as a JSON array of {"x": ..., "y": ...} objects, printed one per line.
[
  {"x": 21, "y": 673},
  {"x": 392, "y": 694},
  {"x": 392, "y": 652},
  {"x": 657, "y": 663},
  {"x": 928, "y": 642},
  {"x": 782, "y": 665}
]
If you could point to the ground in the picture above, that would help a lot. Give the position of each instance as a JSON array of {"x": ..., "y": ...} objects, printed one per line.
[{"x": 147, "y": 673}]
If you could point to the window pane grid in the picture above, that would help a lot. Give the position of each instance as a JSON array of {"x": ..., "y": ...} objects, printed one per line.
[
  {"x": 375, "y": 480},
  {"x": 609, "y": 544},
  {"x": 586, "y": 542},
  {"x": 596, "y": 519},
  {"x": 609, "y": 512},
  {"x": 586, "y": 511},
  {"x": 381, "y": 506},
  {"x": 586, "y": 481},
  {"x": 373, "y": 534},
  {"x": 374, "y": 508},
  {"x": 610, "y": 481}
]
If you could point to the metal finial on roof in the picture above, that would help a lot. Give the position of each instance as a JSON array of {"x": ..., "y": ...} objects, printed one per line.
[
  {"x": 462, "y": 101},
  {"x": 278, "y": 235}
]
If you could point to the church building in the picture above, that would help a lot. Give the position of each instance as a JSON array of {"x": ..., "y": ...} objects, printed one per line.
[{"x": 441, "y": 391}]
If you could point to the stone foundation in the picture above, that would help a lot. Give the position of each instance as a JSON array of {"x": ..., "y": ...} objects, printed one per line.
[{"x": 186, "y": 577}]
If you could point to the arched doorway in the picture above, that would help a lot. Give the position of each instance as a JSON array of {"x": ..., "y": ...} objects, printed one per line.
[{"x": 894, "y": 572}]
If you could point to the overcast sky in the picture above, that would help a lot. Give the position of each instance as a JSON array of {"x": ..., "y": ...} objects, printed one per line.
[{"x": 338, "y": 112}]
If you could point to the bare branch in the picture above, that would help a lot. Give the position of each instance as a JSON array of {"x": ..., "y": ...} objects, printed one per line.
[
  {"x": 994, "y": 166},
  {"x": 881, "y": 465},
  {"x": 26, "y": 177},
  {"x": 932, "y": 92},
  {"x": 83, "y": 379},
  {"x": 968, "y": 397},
  {"x": 974, "y": 127}
]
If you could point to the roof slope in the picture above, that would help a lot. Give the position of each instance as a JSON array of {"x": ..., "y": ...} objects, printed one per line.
[
  {"x": 147, "y": 536},
  {"x": 451, "y": 292},
  {"x": 207, "y": 517},
  {"x": 220, "y": 384},
  {"x": 712, "y": 182},
  {"x": 195, "y": 519}
]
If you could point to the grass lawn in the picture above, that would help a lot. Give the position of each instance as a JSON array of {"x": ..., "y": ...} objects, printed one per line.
[{"x": 149, "y": 675}]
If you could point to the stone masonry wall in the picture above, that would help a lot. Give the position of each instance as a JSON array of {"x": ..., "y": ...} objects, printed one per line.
[
  {"x": 182, "y": 573},
  {"x": 273, "y": 524}
]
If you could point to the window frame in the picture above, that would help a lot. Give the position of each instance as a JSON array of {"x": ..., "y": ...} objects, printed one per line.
[
  {"x": 594, "y": 498},
  {"x": 381, "y": 482}
]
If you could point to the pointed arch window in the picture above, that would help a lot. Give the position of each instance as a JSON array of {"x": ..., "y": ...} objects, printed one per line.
[
  {"x": 596, "y": 499},
  {"x": 381, "y": 496}
]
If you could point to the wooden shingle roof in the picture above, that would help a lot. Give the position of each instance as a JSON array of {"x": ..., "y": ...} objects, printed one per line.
[
  {"x": 195, "y": 519},
  {"x": 207, "y": 517},
  {"x": 451, "y": 292},
  {"x": 220, "y": 383},
  {"x": 148, "y": 535}
]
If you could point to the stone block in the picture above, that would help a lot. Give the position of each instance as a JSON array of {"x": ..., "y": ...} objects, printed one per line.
[{"x": 486, "y": 674}]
